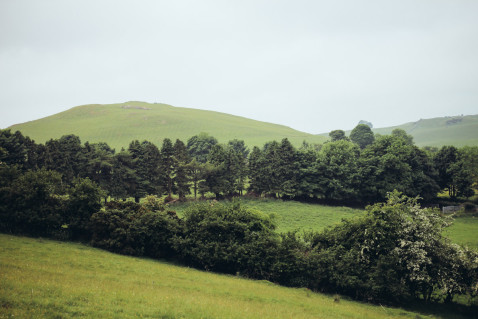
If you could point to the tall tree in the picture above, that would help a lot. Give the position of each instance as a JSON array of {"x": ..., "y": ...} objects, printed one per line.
[
  {"x": 362, "y": 135},
  {"x": 66, "y": 156},
  {"x": 168, "y": 163},
  {"x": 99, "y": 165},
  {"x": 337, "y": 135},
  {"x": 200, "y": 145},
  {"x": 146, "y": 160},
  {"x": 454, "y": 173},
  {"x": 181, "y": 176},
  {"x": 338, "y": 170}
]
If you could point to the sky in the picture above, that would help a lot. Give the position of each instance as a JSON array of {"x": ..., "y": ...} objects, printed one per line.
[{"x": 315, "y": 66}]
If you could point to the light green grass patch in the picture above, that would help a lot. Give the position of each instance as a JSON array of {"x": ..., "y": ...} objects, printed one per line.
[
  {"x": 48, "y": 279},
  {"x": 464, "y": 231}
]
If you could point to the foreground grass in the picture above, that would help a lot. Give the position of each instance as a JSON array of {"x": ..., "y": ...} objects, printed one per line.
[{"x": 48, "y": 279}]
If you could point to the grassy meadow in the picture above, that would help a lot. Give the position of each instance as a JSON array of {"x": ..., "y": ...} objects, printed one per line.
[
  {"x": 291, "y": 215},
  {"x": 48, "y": 279},
  {"x": 119, "y": 124},
  {"x": 464, "y": 231}
]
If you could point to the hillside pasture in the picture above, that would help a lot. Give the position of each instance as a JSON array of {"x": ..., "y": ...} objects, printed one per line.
[
  {"x": 48, "y": 279},
  {"x": 119, "y": 124}
]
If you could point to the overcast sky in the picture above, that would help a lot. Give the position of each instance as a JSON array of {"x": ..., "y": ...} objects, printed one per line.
[{"x": 312, "y": 65}]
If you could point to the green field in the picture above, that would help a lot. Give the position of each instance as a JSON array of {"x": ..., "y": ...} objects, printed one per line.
[
  {"x": 48, "y": 279},
  {"x": 292, "y": 215},
  {"x": 119, "y": 124},
  {"x": 464, "y": 231}
]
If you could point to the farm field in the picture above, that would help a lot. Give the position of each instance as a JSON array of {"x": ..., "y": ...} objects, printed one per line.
[{"x": 49, "y": 279}]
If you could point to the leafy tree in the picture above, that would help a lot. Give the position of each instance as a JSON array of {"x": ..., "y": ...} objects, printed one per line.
[
  {"x": 287, "y": 169},
  {"x": 13, "y": 146},
  {"x": 66, "y": 156},
  {"x": 181, "y": 175},
  {"x": 362, "y": 135},
  {"x": 271, "y": 169},
  {"x": 395, "y": 252},
  {"x": 256, "y": 169},
  {"x": 391, "y": 163},
  {"x": 337, "y": 135},
  {"x": 124, "y": 180},
  {"x": 338, "y": 170},
  {"x": 168, "y": 164},
  {"x": 196, "y": 173},
  {"x": 84, "y": 200},
  {"x": 309, "y": 174},
  {"x": 200, "y": 145},
  {"x": 32, "y": 203},
  {"x": 239, "y": 147},
  {"x": 398, "y": 132},
  {"x": 146, "y": 159},
  {"x": 100, "y": 165},
  {"x": 453, "y": 171}
]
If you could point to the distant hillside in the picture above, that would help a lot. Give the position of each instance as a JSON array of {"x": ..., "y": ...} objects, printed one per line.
[
  {"x": 119, "y": 124},
  {"x": 439, "y": 131},
  {"x": 450, "y": 130}
]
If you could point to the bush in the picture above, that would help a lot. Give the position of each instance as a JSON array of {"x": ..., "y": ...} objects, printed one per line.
[
  {"x": 229, "y": 239},
  {"x": 32, "y": 204},
  {"x": 133, "y": 229}
]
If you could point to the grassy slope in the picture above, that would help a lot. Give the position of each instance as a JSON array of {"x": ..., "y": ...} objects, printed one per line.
[
  {"x": 436, "y": 131},
  {"x": 48, "y": 279},
  {"x": 118, "y": 126}
]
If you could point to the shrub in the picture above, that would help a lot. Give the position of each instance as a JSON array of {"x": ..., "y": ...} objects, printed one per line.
[{"x": 229, "y": 239}]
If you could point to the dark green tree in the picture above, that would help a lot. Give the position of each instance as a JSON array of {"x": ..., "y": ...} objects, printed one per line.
[
  {"x": 167, "y": 167},
  {"x": 337, "y": 135},
  {"x": 181, "y": 175},
  {"x": 99, "y": 165},
  {"x": 84, "y": 200},
  {"x": 398, "y": 132},
  {"x": 338, "y": 170},
  {"x": 454, "y": 173},
  {"x": 66, "y": 155},
  {"x": 362, "y": 135},
  {"x": 200, "y": 145}
]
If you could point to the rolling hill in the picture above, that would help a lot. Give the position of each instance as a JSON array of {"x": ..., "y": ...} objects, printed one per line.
[
  {"x": 451, "y": 130},
  {"x": 119, "y": 124}
]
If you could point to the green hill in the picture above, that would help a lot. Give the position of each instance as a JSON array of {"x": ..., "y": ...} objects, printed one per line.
[
  {"x": 450, "y": 130},
  {"x": 119, "y": 124},
  {"x": 48, "y": 279},
  {"x": 439, "y": 131}
]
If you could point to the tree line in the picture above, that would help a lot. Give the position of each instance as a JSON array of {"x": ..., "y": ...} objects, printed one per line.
[{"x": 361, "y": 168}]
